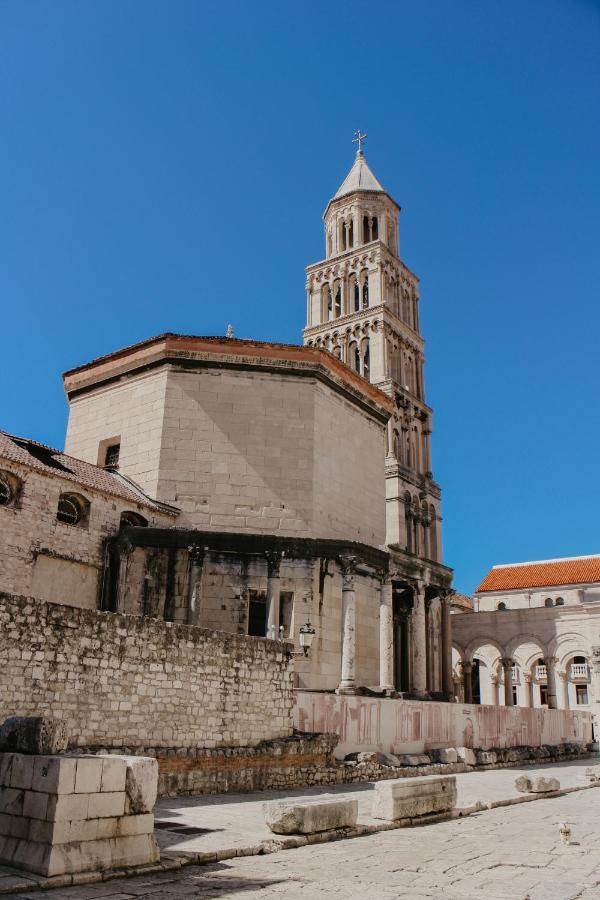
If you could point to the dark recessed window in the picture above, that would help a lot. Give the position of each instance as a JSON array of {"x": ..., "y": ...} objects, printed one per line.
[
  {"x": 6, "y": 493},
  {"x": 131, "y": 518},
  {"x": 69, "y": 511},
  {"x": 559, "y": 601},
  {"x": 501, "y": 605},
  {"x": 111, "y": 459}
]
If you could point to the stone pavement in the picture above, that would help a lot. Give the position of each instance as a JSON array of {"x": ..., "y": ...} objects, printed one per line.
[
  {"x": 508, "y": 853},
  {"x": 224, "y": 821}
]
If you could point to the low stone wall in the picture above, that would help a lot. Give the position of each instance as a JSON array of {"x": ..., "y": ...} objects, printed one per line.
[
  {"x": 119, "y": 680},
  {"x": 308, "y": 760},
  {"x": 412, "y": 726}
]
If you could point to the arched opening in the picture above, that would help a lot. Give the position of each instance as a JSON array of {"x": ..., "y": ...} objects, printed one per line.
[
  {"x": 433, "y": 548},
  {"x": 365, "y": 291},
  {"x": 355, "y": 292},
  {"x": 548, "y": 601},
  {"x": 366, "y": 230},
  {"x": 351, "y": 234},
  {"x": 133, "y": 519},
  {"x": 329, "y": 304},
  {"x": 374, "y": 229},
  {"x": 72, "y": 509},
  {"x": 559, "y": 601},
  {"x": 338, "y": 300},
  {"x": 366, "y": 361}
]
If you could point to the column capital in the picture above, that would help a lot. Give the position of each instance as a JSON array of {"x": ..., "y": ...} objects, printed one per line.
[
  {"x": 348, "y": 567},
  {"x": 273, "y": 558},
  {"x": 507, "y": 662},
  {"x": 550, "y": 661},
  {"x": 196, "y": 554},
  {"x": 466, "y": 665}
]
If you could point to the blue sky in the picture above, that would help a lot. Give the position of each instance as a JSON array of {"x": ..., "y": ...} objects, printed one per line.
[{"x": 164, "y": 167}]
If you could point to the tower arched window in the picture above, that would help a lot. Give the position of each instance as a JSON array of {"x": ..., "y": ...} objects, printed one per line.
[
  {"x": 351, "y": 234},
  {"x": 329, "y": 301},
  {"x": 433, "y": 554},
  {"x": 338, "y": 301},
  {"x": 356, "y": 295},
  {"x": 374, "y": 229},
  {"x": 365, "y": 292},
  {"x": 366, "y": 367},
  {"x": 366, "y": 230}
]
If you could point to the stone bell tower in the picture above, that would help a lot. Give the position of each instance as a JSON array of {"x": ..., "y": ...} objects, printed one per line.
[{"x": 363, "y": 306}]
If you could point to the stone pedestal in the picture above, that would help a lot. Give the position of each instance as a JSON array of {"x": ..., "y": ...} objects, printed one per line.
[{"x": 74, "y": 813}]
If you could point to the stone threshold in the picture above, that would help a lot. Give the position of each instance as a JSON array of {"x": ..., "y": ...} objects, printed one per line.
[{"x": 172, "y": 861}]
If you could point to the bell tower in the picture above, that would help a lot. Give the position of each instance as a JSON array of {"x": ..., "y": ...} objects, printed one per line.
[{"x": 363, "y": 306}]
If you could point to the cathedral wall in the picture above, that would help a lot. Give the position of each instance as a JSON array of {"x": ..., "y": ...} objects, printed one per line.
[
  {"x": 237, "y": 450},
  {"x": 132, "y": 412},
  {"x": 349, "y": 471}
]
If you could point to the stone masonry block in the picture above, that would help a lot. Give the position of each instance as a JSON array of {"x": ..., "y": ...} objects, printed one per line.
[
  {"x": 89, "y": 775},
  {"x": 325, "y": 814},
  {"x": 141, "y": 783},
  {"x": 11, "y": 801},
  {"x": 411, "y": 797},
  {"x": 33, "y": 734},
  {"x": 114, "y": 773},
  {"x": 21, "y": 775},
  {"x": 67, "y": 807},
  {"x": 103, "y": 806},
  {"x": 54, "y": 774},
  {"x": 35, "y": 804},
  {"x": 466, "y": 755}
]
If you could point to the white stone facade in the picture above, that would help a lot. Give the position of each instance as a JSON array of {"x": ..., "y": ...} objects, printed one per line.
[{"x": 536, "y": 644}]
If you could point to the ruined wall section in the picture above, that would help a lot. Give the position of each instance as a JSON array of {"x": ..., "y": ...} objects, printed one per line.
[{"x": 121, "y": 680}]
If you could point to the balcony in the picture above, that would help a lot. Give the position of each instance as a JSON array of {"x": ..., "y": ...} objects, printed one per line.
[
  {"x": 579, "y": 671},
  {"x": 540, "y": 673}
]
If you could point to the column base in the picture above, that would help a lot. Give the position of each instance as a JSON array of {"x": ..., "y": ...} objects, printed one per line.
[{"x": 346, "y": 689}]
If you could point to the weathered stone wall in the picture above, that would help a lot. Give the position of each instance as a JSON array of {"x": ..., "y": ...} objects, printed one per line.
[
  {"x": 48, "y": 559},
  {"x": 121, "y": 680},
  {"x": 413, "y": 726}
]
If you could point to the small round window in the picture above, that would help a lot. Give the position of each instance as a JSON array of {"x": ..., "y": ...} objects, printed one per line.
[
  {"x": 69, "y": 511},
  {"x": 6, "y": 493}
]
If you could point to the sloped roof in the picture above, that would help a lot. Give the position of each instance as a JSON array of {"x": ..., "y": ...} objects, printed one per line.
[
  {"x": 359, "y": 178},
  {"x": 49, "y": 461},
  {"x": 462, "y": 601},
  {"x": 544, "y": 573}
]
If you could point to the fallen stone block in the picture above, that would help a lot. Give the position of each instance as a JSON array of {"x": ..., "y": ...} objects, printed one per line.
[
  {"x": 141, "y": 783},
  {"x": 411, "y": 797},
  {"x": 523, "y": 784},
  {"x": 444, "y": 755},
  {"x": 542, "y": 785},
  {"x": 539, "y": 785},
  {"x": 592, "y": 773},
  {"x": 466, "y": 755},
  {"x": 388, "y": 759},
  {"x": 415, "y": 759},
  {"x": 33, "y": 734},
  {"x": 485, "y": 758},
  {"x": 310, "y": 816}
]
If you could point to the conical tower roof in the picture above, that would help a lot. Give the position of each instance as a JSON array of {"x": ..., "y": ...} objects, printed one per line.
[{"x": 360, "y": 178}]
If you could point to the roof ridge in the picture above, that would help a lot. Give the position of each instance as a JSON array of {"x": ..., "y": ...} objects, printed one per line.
[{"x": 544, "y": 562}]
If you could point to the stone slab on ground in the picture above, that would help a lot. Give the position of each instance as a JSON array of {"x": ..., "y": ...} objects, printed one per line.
[
  {"x": 410, "y": 797},
  {"x": 539, "y": 785},
  {"x": 322, "y": 814}
]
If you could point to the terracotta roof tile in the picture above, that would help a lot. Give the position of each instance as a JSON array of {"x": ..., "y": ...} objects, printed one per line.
[
  {"x": 461, "y": 600},
  {"x": 49, "y": 461},
  {"x": 549, "y": 573}
]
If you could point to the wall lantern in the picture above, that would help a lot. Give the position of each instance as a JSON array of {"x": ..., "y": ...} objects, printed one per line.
[{"x": 307, "y": 633}]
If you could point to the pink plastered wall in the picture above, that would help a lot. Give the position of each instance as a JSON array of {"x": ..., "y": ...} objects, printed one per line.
[{"x": 413, "y": 726}]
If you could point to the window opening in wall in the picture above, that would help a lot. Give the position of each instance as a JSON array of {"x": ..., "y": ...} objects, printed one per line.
[
  {"x": 515, "y": 696},
  {"x": 476, "y": 681},
  {"x": 501, "y": 605},
  {"x": 6, "y": 493},
  {"x": 69, "y": 510},
  {"x": 366, "y": 364},
  {"x": 338, "y": 302},
  {"x": 543, "y": 695},
  {"x": 548, "y": 601},
  {"x": 111, "y": 457},
  {"x": 365, "y": 297},
  {"x": 257, "y": 613},
  {"x": 356, "y": 297},
  {"x": 374, "y": 230},
  {"x": 131, "y": 518},
  {"x": 559, "y": 601},
  {"x": 286, "y": 608},
  {"x": 581, "y": 694}
]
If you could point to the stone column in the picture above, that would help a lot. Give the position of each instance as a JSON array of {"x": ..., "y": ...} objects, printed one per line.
[
  {"x": 347, "y": 683},
  {"x": 447, "y": 680},
  {"x": 528, "y": 692},
  {"x": 550, "y": 663},
  {"x": 273, "y": 593},
  {"x": 428, "y": 645},
  {"x": 507, "y": 665},
  {"x": 467, "y": 668},
  {"x": 386, "y": 635},
  {"x": 196, "y": 558},
  {"x": 125, "y": 551},
  {"x": 419, "y": 642}
]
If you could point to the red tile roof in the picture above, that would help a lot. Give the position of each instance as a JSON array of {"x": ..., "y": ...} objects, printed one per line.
[
  {"x": 548, "y": 573},
  {"x": 136, "y": 354},
  {"x": 49, "y": 461},
  {"x": 462, "y": 601}
]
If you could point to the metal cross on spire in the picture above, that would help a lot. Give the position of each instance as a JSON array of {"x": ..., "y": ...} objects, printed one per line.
[{"x": 359, "y": 139}]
